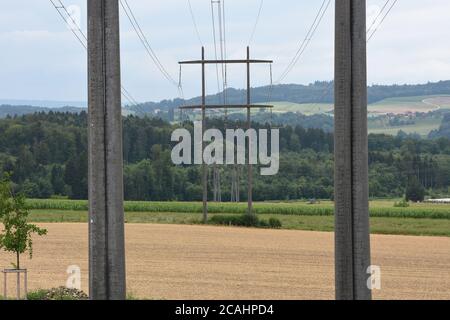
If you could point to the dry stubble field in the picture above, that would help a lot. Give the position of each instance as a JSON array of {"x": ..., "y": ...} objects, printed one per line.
[{"x": 201, "y": 262}]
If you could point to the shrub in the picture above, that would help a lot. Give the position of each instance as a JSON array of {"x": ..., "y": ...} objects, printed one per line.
[
  {"x": 60, "y": 293},
  {"x": 245, "y": 220},
  {"x": 37, "y": 295},
  {"x": 249, "y": 220},
  {"x": 231, "y": 220},
  {"x": 275, "y": 223},
  {"x": 401, "y": 204},
  {"x": 263, "y": 224}
]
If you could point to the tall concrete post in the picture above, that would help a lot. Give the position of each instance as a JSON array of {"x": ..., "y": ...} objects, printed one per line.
[
  {"x": 352, "y": 234},
  {"x": 106, "y": 213}
]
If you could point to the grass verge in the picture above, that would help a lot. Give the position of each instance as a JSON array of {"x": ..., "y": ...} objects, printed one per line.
[
  {"x": 377, "y": 209},
  {"x": 379, "y": 225}
]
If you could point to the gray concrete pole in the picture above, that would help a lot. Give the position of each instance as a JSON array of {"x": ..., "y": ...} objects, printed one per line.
[
  {"x": 106, "y": 214},
  {"x": 352, "y": 234},
  {"x": 249, "y": 125},
  {"x": 204, "y": 166}
]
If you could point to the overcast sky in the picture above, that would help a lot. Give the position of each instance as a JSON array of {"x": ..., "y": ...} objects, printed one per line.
[{"x": 41, "y": 60}]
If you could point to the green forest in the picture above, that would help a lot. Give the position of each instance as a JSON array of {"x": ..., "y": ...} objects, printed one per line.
[
  {"x": 317, "y": 92},
  {"x": 46, "y": 153}
]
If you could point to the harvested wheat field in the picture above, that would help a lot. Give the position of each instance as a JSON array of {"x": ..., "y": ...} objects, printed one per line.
[{"x": 198, "y": 262}]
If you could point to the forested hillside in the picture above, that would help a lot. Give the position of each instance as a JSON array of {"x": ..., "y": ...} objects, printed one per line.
[
  {"x": 318, "y": 92},
  {"x": 10, "y": 110},
  {"x": 47, "y": 156}
]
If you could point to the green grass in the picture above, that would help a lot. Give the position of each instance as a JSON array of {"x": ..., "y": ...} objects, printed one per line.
[
  {"x": 378, "y": 208},
  {"x": 379, "y": 225},
  {"x": 415, "y": 103},
  {"x": 418, "y": 219},
  {"x": 390, "y": 105},
  {"x": 422, "y": 126},
  {"x": 304, "y": 108}
]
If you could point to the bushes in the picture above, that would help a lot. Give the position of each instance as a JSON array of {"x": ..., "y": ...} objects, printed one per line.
[
  {"x": 60, "y": 293},
  {"x": 401, "y": 204},
  {"x": 275, "y": 223},
  {"x": 246, "y": 220}
]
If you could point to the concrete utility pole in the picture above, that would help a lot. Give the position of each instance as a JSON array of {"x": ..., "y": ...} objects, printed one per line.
[
  {"x": 106, "y": 214},
  {"x": 352, "y": 235},
  {"x": 249, "y": 126}
]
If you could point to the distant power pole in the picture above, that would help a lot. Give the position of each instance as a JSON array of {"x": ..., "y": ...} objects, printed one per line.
[
  {"x": 106, "y": 214},
  {"x": 352, "y": 235},
  {"x": 203, "y": 107}
]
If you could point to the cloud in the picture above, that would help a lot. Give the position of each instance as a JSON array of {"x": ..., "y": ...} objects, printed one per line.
[{"x": 40, "y": 58}]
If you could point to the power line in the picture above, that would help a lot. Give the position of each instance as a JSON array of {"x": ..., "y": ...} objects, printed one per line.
[
  {"x": 194, "y": 21},
  {"x": 129, "y": 96},
  {"x": 330, "y": 86},
  {"x": 252, "y": 36},
  {"x": 382, "y": 20},
  {"x": 80, "y": 35},
  {"x": 225, "y": 80},
  {"x": 304, "y": 45},
  {"x": 222, "y": 39},
  {"x": 66, "y": 21},
  {"x": 137, "y": 28},
  {"x": 215, "y": 42},
  {"x": 379, "y": 14}
]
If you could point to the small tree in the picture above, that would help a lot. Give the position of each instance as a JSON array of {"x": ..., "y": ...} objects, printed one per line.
[
  {"x": 17, "y": 234},
  {"x": 415, "y": 191}
]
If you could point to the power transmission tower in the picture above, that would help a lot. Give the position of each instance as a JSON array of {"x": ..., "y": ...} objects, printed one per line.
[
  {"x": 106, "y": 214},
  {"x": 352, "y": 238},
  {"x": 203, "y": 107}
]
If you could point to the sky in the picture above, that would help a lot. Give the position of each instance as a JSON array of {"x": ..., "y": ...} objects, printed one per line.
[{"x": 40, "y": 59}]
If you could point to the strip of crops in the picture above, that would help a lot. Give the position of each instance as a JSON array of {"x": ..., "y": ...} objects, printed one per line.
[{"x": 297, "y": 208}]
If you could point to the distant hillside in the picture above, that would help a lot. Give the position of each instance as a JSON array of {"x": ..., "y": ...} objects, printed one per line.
[
  {"x": 43, "y": 103},
  {"x": 318, "y": 92},
  {"x": 13, "y": 110},
  {"x": 315, "y": 93},
  {"x": 9, "y": 110}
]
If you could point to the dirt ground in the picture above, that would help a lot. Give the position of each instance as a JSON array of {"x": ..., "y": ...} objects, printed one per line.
[{"x": 197, "y": 262}]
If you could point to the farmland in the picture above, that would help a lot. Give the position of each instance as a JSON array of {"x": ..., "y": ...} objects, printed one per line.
[
  {"x": 403, "y": 105},
  {"x": 378, "y": 119},
  {"x": 421, "y": 104},
  {"x": 418, "y": 219},
  {"x": 202, "y": 262},
  {"x": 305, "y": 108}
]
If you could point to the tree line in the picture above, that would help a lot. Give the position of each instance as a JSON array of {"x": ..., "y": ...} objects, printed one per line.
[
  {"x": 317, "y": 92},
  {"x": 46, "y": 154}
]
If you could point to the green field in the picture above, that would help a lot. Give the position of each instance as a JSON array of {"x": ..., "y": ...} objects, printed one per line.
[
  {"x": 378, "y": 123},
  {"x": 418, "y": 219},
  {"x": 401, "y": 105},
  {"x": 422, "y": 127},
  {"x": 421, "y": 104},
  {"x": 306, "y": 108}
]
